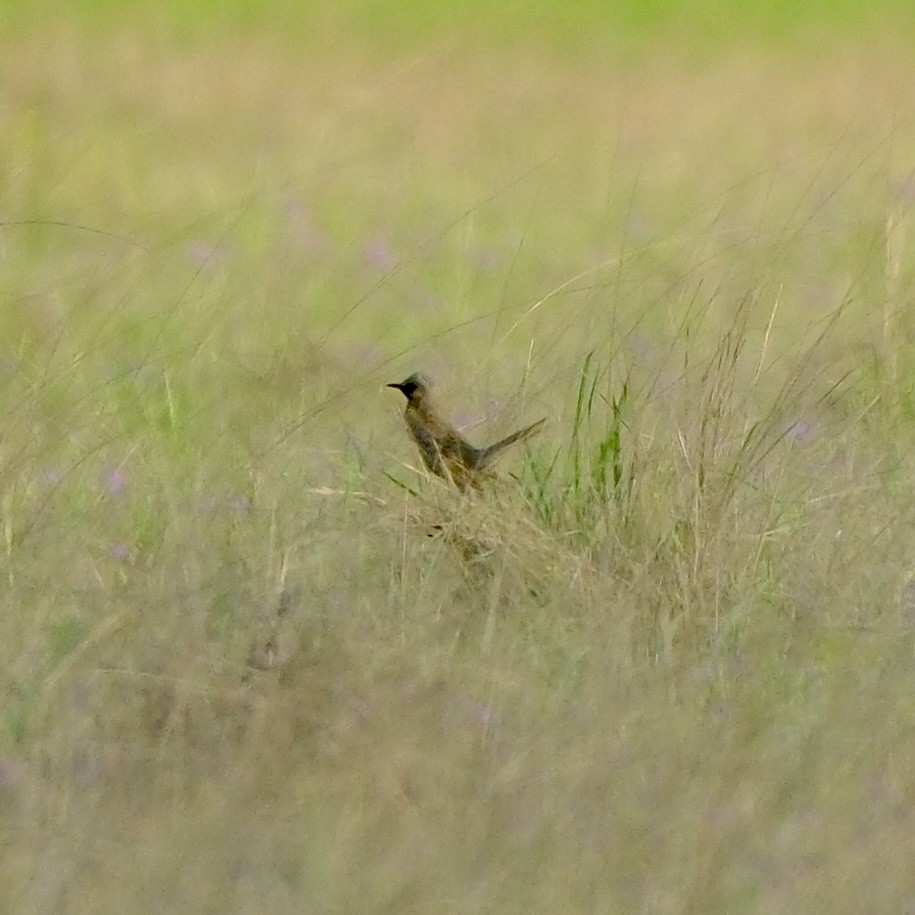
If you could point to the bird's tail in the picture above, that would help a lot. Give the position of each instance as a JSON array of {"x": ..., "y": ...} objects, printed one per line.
[{"x": 490, "y": 452}]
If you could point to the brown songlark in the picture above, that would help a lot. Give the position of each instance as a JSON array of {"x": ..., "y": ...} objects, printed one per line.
[{"x": 443, "y": 449}]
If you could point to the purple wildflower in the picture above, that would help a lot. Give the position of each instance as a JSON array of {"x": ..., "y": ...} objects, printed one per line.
[
  {"x": 379, "y": 255},
  {"x": 800, "y": 431},
  {"x": 240, "y": 503},
  {"x": 114, "y": 481},
  {"x": 119, "y": 551},
  {"x": 203, "y": 253}
]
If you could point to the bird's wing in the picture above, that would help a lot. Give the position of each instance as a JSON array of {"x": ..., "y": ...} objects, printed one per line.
[{"x": 428, "y": 445}]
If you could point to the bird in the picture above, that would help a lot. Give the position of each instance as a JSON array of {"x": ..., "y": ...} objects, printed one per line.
[{"x": 444, "y": 451}]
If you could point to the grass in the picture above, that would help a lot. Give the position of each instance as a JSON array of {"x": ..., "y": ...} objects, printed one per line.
[
  {"x": 569, "y": 28},
  {"x": 663, "y": 665}
]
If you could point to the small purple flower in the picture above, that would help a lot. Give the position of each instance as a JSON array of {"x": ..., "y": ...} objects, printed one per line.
[
  {"x": 86, "y": 771},
  {"x": 119, "y": 551},
  {"x": 114, "y": 481},
  {"x": 800, "y": 431},
  {"x": 240, "y": 503},
  {"x": 202, "y": 253},
  {"x": 482, "y": 715},
  {"x": 12, "y": 772},
  {"x": 311, "y": 239},
  {"x": 379, "y": 255},
  {"x": 485, "y": 260},
  {"x": 296, "y": 214},
  {"x": 904, "y": 189}
]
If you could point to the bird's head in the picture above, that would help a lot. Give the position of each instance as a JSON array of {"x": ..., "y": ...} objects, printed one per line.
[{"x": 414, "y": 388}]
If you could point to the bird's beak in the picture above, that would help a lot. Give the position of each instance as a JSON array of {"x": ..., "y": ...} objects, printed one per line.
[{"x": 395, "y": 385}]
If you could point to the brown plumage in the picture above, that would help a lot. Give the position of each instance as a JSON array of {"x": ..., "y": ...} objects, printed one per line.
[{"x": 443, "y": 449}]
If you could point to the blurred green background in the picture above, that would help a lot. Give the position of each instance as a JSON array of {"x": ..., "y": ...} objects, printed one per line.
[{"x": 572, "y": 26}]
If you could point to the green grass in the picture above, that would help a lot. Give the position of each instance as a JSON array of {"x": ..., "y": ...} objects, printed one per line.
[
  {"x": 255, "y": 660},
  {"x": 572, "y": 27}
]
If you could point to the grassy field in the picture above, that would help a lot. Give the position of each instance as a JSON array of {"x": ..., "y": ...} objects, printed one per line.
[{"x": 255, "y": 660}]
